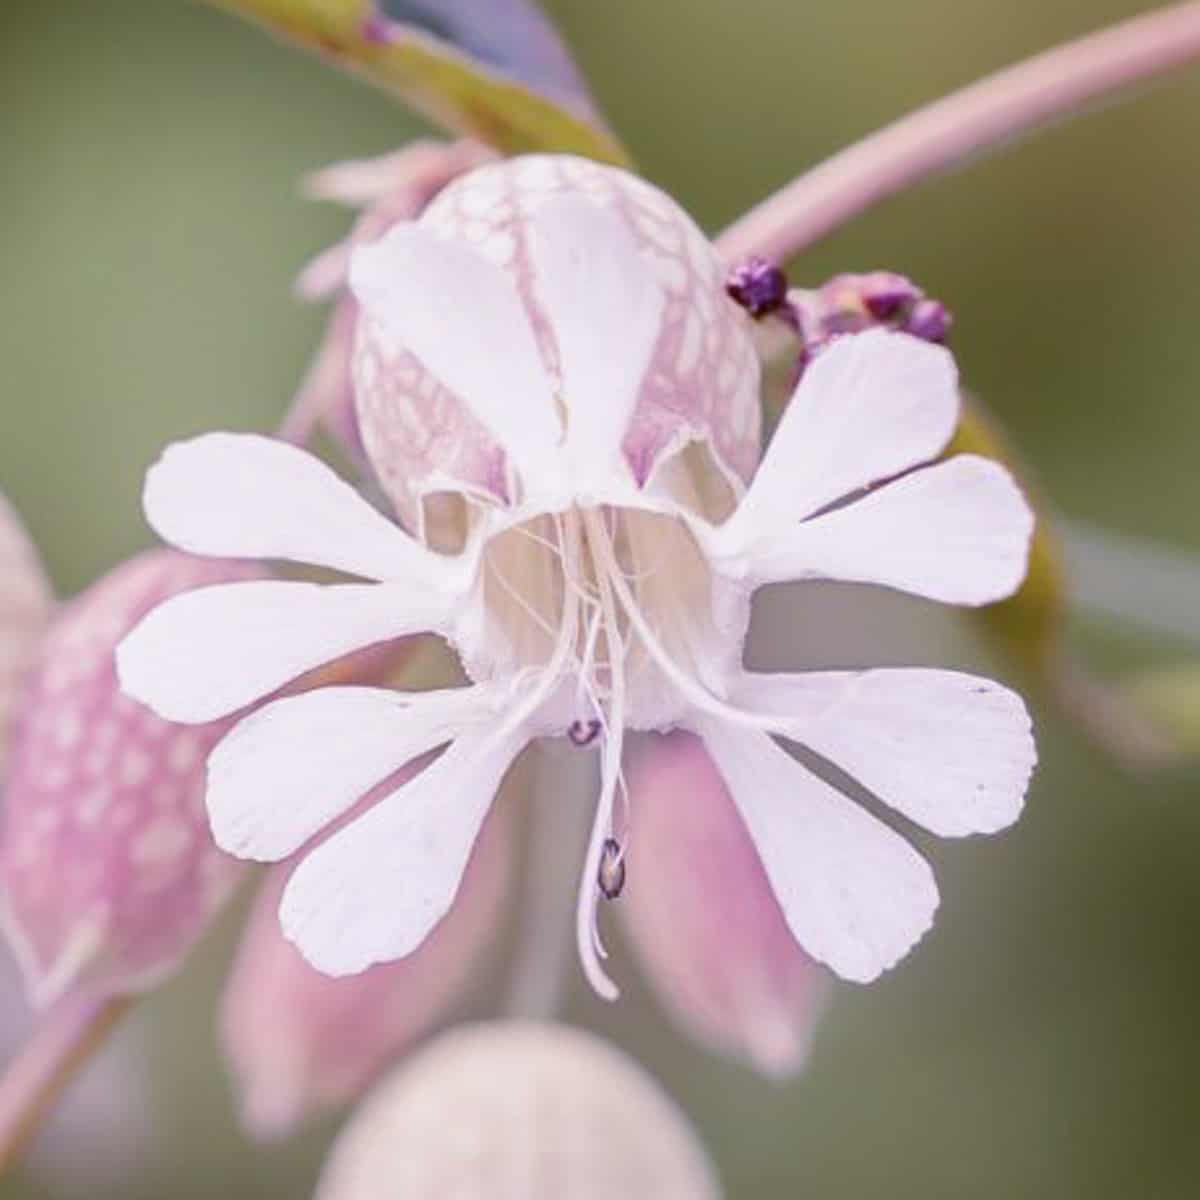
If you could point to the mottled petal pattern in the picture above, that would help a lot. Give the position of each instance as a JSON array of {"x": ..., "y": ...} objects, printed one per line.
[
  {"x": 702, "y": 382},
  {"x": 461, "y": 316},
  {"x": 107, "y": 868}
]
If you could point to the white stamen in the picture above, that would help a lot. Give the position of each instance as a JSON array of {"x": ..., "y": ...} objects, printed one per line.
[
  {"x": 591, "y": 948},
  {"x": 691, "y": 687},
  {"x": 548, "y": 677}
]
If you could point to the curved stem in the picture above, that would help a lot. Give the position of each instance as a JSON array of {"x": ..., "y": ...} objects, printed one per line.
[
  {"x": 61, "y": 1043},
  {"x": 964, "y": 124}
]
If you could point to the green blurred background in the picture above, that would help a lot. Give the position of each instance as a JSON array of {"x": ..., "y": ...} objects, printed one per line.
[{"x": 1043, "y": 1041}]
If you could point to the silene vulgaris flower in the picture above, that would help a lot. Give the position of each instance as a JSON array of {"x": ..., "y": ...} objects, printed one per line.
[{"x": 563, "y": 406}]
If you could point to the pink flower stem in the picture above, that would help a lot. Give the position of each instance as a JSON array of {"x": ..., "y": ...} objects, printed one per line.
[
  {"x": 964, "y": 124},
  {"x": 61, "y": 1043}
]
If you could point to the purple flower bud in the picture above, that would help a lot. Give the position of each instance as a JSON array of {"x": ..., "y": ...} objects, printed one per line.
[
  {"x": 838, "y": 321},
  {"x": 885, "y": 294},
  {"x": 929, "y": 320},
  {"x": 849, "y": 304},
  {"x": 107, "y": 867},
  {"x": 760, "y": 287}
]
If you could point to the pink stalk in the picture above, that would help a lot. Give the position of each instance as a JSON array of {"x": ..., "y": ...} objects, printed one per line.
[
  {"x": 963, "y": 125},
  {"x": 65, "y": 1037}
]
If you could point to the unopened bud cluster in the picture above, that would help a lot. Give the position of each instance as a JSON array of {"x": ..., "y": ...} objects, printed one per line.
[{"x": 846, "y": 304}]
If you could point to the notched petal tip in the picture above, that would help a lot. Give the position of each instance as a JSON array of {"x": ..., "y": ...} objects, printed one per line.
[
  {"x": 107, "y": 869},
  {"x": 873, "y": 405},
  {"x": 958, "y": 532},
  {"x": 301, "y": 1043},
  {"x": 288, "y": 770},
  {"x": 950, "y": 751},
  {"x": 374, "y": 890},
  {"x": 855, "y": 894}
]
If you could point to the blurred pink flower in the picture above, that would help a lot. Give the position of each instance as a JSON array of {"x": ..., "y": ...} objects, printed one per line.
[
  {"x": 300, "y": 1042},
  {"x": 701, "y": 914},
  {"x": 562, "y": 403},
  {"x": 107, "y": 869}
]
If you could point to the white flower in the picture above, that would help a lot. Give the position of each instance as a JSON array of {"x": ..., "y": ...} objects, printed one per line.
[{"x": 598, "y": 578}]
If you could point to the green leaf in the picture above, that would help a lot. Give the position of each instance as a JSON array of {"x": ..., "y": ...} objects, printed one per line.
[{"x": 463, "y": 71}]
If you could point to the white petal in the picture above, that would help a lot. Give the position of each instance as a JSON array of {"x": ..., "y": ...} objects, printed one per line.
[
  {"x": 854, "y": 893},
  {"x": 606, "y": 307},
  {"x": 957, "y": 532},
  {"x": 374, "y": 890},
  {"x": 952, "y": 752},
  {"x": 462, "y": 317},
  {"x": 287, "y": 770},
  {"x": 240, "y": 495},
  {"x": 207, "y": 653},
  {"x": 873, "y": 405}
]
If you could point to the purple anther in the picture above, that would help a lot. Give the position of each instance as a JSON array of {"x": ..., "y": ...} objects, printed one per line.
[
  {"x": 610, "y": 874},
  {"x": 583, "y": 733},
  {"x": 760, "y": 287},
  {"x": 885, "y": 294}
]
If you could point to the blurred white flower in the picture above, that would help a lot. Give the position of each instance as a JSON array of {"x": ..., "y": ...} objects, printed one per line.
[{"x": 535, "y": 1111}]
